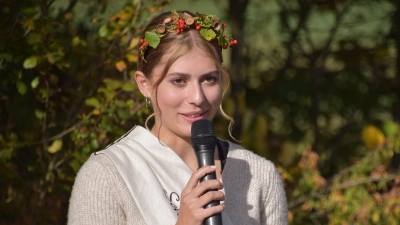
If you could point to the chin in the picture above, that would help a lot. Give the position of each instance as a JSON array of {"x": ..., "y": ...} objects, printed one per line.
[{"x": 187, "y": 131}]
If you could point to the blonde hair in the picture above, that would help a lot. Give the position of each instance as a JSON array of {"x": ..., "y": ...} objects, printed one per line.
[{"x": 176, "y": 46}]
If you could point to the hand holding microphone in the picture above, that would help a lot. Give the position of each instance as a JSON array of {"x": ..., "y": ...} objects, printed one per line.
[
  {"x": 200, "y": 203},
  {"x": 204, "y": 141}
]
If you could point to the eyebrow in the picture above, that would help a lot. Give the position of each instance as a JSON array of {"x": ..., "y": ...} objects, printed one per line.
[{"x": 215, "y": 72}]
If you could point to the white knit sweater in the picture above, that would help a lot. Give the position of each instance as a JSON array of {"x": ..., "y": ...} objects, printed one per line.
[{"x": 253, "y": 189}]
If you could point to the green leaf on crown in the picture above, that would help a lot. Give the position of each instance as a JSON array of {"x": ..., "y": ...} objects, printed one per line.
[
  {"x": 221, "y": 39},
  {"x": 152, "y": 38},
  {"x": 208, "y": 34}
]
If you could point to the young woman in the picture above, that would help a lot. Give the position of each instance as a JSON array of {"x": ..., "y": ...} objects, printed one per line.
[{"x": 151, "y": 176}]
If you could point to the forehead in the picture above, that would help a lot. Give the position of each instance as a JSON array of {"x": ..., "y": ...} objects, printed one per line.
[{"x": 195, "y": 61}]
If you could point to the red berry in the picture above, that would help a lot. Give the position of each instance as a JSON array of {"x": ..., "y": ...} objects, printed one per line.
[
  {"x": 173, "y": 19},
  {"x": 224, "y": 25},
  {"x": 141, "y": 47},
  {"x": 198, "y": 27},
  {"x": 235, "y": 42},
  {"x": 178, "y": 31},
  {"x": 145, "y": 43},
  {"x": 141, "y": 40},
  {"x": 224, "y": 46}
]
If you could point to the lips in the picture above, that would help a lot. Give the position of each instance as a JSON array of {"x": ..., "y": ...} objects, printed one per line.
[{"x": 194, "y": 116}]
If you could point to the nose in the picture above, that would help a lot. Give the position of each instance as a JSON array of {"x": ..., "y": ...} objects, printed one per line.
[{"x": 196, "y": 94}]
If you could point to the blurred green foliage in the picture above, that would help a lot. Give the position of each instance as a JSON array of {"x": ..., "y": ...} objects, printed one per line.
[
  {"x": 66, "y": 91},
  {"x": 320, "y": 85}
]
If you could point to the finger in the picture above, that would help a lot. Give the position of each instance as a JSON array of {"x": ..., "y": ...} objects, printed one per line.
[
  {"x": 210, "y": 196},
  {"x": 208, "y": 185},
  {"x": 196, "y": 176},
  {"x": 205, "y": 213}
]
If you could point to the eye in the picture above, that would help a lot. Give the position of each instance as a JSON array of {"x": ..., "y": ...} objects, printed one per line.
[
  {"x": 178, "y": 81},
  {"x": 210, "y": 79}
]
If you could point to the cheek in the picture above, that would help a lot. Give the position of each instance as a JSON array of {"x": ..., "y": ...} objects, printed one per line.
[
  {"x": 167, "y": 98},
  {"x": 214, "y": 97}
]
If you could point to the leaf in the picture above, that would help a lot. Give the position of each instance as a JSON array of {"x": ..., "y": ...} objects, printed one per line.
[
  {"x": 96, "y": 112},
  {"x": 152, "y": 38},
  {"x": 76, "y": 41},
  {"x": 56, "y": 146},
  {"x": 43, "y": 93},
  {"x": 120, "y": 65},
  {"x": 53, "y": 57},
  {"x": 103, "y": 31},
  {"x": 373, "y": 137},
  {"x": 95, "y": 20},
  {"x": 221, "y": 40},
  {"x": 94, "y": 144},
  {"x": 21, "y": 87},
  {"x": 112, "y": 84},
  {"x": 131, "y": 57},
  {"x": 35, "y": 82},
  {"x": 390, "y": 128},
  {"x": 128, "y": 87},
  {"x": 29, "y": 11},
  {"x": 7, "y": 57},
  {"x": 134, "y": 42},
  {"x": 33, "y": 38},
  {"x": 39, "y": 114},
  {"x": 130, "y": 103},
  {"x": 30, "y": 62},
  {"x": 208, "y": 34},
  {"x": 92, "y": 102},
  {"x": 6, "y": 154}
]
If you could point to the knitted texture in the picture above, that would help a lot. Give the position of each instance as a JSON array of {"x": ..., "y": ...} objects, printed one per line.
[
  {"x": 253, "y": 189},
  {"x": 254, "y": 192},
  {"x": 100, "y": 196}
]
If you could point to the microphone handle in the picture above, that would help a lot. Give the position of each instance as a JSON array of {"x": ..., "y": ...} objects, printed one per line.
[{"x": 205, "y": 157}]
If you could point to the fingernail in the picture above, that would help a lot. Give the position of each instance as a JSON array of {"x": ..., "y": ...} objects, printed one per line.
[{"x": 213, "y": 166}]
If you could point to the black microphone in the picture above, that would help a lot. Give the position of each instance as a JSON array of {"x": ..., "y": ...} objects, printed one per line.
[{"x": 203, "y": 141}]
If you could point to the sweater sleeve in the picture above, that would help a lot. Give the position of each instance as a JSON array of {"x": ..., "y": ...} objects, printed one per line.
[
  {"x": 276, "y": 211},
  {"x": 94, "y": 198}
]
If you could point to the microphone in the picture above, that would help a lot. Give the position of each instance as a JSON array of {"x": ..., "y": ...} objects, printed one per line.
[{"x": 203, "y": 141}]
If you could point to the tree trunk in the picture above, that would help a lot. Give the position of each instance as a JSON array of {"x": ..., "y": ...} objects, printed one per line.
[{"x": 237, "y": 9}]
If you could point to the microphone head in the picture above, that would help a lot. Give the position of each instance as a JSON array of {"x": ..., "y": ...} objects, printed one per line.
[{"x": 203, "y": 133}]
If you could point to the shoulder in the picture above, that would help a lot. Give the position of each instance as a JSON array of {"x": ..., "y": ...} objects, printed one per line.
[
  {"x": 253, "y": 182},
  {"x": 98, "y": 171},
  {"x": 246, "y": 166},
  {"x": 97, "y": 164},
  {"x": 95, "y": 191},
  {"x": 256, "y": 163}
]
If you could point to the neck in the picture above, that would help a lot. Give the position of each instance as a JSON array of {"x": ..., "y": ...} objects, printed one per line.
[
  {"x": 183, "y": 148},
  {"x": 180, "y": 145}
]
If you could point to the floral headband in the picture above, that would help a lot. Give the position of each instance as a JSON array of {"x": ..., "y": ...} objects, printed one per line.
[{"x": 208, "y": 25}]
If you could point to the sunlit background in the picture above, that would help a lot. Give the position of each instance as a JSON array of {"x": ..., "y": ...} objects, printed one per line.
[{"x": 315, "y": 89}]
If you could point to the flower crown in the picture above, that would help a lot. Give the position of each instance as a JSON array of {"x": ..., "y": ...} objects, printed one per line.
[{"x": 208, "y": 25}]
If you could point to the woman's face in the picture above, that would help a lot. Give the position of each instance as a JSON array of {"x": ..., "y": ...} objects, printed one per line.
[{"x": 190, "y": 91}]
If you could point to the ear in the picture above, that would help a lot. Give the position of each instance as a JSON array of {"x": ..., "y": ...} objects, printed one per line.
[{"x": 143, "y": 84}]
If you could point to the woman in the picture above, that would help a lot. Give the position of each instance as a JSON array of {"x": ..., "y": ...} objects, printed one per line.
[{"x": 150, "y": 176}]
